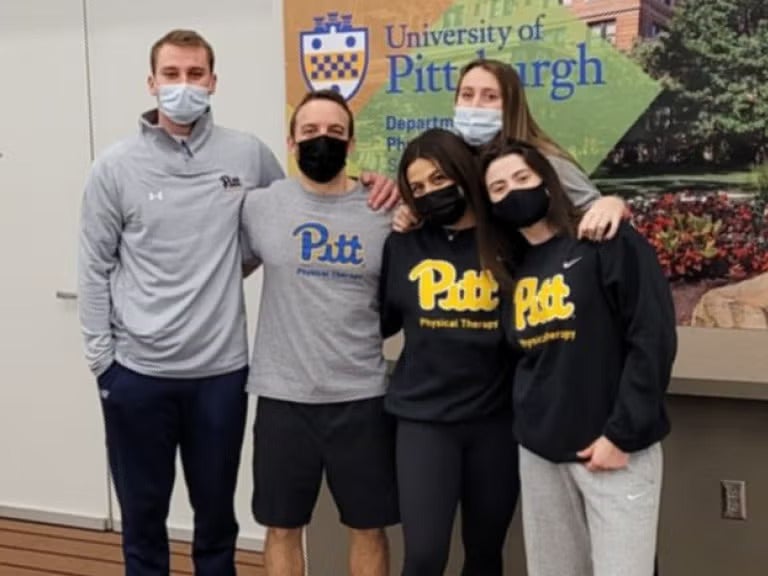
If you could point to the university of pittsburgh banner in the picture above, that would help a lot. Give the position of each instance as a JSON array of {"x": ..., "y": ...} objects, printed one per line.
[
  {"x": 397, "y": 61},
  {"x": 649, "y": 108}
]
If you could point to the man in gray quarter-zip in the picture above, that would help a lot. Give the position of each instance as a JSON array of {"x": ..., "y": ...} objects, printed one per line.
[{"x": 161, "y": 307}]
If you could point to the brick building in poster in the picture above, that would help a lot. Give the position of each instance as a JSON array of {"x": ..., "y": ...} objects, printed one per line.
[{"x": 622, "y": 22}]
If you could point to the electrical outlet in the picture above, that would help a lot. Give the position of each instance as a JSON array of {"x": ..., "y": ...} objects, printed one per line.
[{"x": 734, "y": 499}]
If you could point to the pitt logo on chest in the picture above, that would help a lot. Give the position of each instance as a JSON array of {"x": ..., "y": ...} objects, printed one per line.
[
  {"x": 317, "y": 244},
  {"x": 440, "y": 287}
]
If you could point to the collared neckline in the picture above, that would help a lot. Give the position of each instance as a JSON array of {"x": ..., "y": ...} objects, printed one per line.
[{"x": 148, "y": 123}]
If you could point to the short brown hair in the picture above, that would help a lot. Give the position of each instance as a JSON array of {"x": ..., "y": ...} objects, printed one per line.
[
  {"x": 183, "y": 38},
  {"x": 331, "y": 95}
]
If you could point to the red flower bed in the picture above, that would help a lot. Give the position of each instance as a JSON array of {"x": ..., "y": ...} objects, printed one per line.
[{"x": 704, "y": 237}]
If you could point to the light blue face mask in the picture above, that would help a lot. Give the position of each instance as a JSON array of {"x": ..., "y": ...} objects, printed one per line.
[
  {"x": 477, "y": 125},
  {"x": 183, "y": 103}
]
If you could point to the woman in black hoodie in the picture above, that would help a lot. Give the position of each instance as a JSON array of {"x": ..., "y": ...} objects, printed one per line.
[
  {"x": 595, "y": 325},
  {"x": 450, "y": 390}
]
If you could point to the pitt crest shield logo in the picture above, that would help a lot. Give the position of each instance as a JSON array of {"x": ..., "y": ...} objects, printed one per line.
[{"x": 334, "y": 55}]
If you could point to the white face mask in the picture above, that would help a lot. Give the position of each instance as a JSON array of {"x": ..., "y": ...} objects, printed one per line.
[
  {"x": 183, "y": 103},
  {"x": 477, "y": 125}
]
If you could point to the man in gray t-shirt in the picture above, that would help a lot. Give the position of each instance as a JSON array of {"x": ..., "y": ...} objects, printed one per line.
[{"x": 317, "y": 364}]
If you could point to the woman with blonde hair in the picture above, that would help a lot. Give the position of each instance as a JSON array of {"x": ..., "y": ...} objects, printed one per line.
[{"x": 490, "y": 106}]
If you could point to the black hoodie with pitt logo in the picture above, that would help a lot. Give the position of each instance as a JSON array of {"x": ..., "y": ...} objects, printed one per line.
[
  {"x": 456, "y": 364},
  {"x": 596, "y": 326}
]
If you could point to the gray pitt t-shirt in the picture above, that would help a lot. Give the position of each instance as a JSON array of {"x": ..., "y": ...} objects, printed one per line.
[{"x": 318, "y": 338}]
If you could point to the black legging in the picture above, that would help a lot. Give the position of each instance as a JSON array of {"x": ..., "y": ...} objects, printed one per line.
[{"x": 440, "y": 465}]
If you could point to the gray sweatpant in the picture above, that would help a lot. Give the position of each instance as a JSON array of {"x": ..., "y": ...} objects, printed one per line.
[{"x": 582, "y": 523}]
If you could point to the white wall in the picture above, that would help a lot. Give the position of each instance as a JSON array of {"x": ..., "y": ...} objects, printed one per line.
[
  {"x": 51, "y": 435},
  {"x": 247, "y": 38},
  {"x": 52, "y": 455}
]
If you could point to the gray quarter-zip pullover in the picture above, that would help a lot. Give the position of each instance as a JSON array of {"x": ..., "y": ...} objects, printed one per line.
[{"x": 160, "y": 278}]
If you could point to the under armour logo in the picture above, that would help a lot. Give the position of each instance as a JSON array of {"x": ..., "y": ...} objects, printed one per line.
[
  {"x": 155, "y": 195},
  {"x": 104, "y": 394},
  {"x": 230, "y": 182}
]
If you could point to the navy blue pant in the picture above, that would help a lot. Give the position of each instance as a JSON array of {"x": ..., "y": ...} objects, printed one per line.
[{"x": 146, "y": 420}]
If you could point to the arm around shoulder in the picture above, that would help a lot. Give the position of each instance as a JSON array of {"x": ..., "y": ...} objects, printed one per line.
[
  {"x": 576, "y": 184},
  {"x": 390, "y": 315},
  {"x": 254, "y": 214},
  {"x": 269, "y": 168}
]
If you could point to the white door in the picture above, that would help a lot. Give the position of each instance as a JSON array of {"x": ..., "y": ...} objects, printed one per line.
[
  {"x": 52, "y": 455},
  {"x": 247, "y": 38}
]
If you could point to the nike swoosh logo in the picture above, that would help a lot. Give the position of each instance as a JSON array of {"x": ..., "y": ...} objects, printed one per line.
[
  {"x": 571, "y": 263},
  {"x": 633, "y": 497}
]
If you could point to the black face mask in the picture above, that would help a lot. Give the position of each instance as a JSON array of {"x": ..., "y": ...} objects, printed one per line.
[
  {"x": 442, "y": 207},
  {"x": 322, "y": 158},
  {"x": 522, "y": 208}
]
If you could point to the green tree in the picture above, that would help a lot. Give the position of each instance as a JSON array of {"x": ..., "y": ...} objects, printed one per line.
[{"x": 713, "y": 62}]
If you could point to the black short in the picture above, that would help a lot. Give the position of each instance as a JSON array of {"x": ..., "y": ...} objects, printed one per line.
[{"x": 353, "y": 442}]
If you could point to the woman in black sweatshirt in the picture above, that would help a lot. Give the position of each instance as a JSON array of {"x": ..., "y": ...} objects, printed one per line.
[
  {"x": 450, "y": 390},
  {"x": 595, "y": 325}
]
